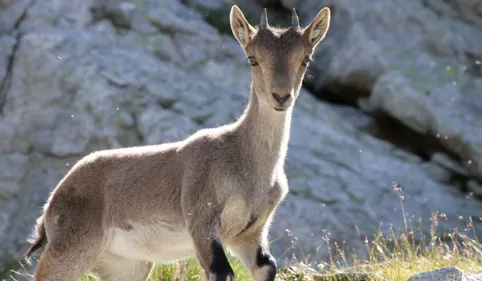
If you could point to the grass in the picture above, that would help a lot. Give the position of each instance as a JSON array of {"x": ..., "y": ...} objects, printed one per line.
[
  {"x": 387, "y": 256},
  {"x": 398, "y": 256}
]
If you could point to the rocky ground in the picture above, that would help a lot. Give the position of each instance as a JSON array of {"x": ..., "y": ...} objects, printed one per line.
[
  {"x": 445, "y": 274},
  {"x": 394, "y": 99},
  {"x": 442, "y": 274}
]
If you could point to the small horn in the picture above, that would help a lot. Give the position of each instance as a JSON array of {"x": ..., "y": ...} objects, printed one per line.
[
  {"x": 264, "y": 19},
  {"x": 295, "y": 21}
]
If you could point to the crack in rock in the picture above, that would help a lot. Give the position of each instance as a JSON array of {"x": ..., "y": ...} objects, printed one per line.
[{"x": 5, "y": 83}]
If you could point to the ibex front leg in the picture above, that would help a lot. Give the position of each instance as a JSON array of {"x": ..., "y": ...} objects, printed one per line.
[
  {"x": 253, "y": 252},
  {"x": 210, "y": 253}
]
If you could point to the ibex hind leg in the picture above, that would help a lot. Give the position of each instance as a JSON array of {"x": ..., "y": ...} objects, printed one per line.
[
  {"x": 75, "y": 237},
  {"x": 66, "y": 266},
  {"x": 69, "y": 262},
  {"x": 110, "y": 267}
]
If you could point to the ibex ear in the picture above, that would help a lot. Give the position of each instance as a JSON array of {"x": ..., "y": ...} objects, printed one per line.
[
  {"x": 242, "y": 30},
  {"x": 317, "y": 29}
]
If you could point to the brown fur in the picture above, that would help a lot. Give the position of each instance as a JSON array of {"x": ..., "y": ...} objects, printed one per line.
[{"x": 119, "y": 211}]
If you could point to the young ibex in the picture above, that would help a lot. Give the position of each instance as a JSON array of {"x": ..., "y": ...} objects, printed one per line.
[{"x": 119, "y": 211}]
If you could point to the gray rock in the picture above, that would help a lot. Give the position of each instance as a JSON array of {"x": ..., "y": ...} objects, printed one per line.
[
  {"x": 445, "y": 161},
  {"x": 7, "y": 44},
  {"x": 157, "y": 125},
  {"x": 206, "y": 4},
  {"x": 120, "y": 13},
  {"x": 472, "y": 277},
  {"x": 5, "y": 3},
  {"x": 268, "y": 2},
  {"x": 442, "y": 274},
  {"x": 13, "y": 167},
  {"x": 445, "y": 274},
  {"x": 402, "y": 154},
  {"x": 436, "y": 172},
  {"x": 470, "y": 10},
  {"x": 474, "y": 187},
  {"x": 425, "y": 74},
  {"x": 47, "y": 13},
  {"x": 168, "y": 22},
  {"x": 11, "y": 13},
  {"x": 290, "y": 4},
  {"x": 454, "y": 124}
]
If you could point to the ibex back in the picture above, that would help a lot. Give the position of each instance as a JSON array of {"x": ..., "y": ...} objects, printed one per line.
[{"x": 119, "y": 211}]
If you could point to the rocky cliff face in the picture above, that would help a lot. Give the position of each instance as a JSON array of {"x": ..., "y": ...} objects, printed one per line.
[{"x": 399, "y": 102}]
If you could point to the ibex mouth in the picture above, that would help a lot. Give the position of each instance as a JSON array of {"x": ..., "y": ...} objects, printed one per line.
[{"x": 279, "y": 108}]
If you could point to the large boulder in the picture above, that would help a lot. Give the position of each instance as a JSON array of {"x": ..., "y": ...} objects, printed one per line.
[
  {"x": 417, "y": 61},
  {"x": 90, "y": 75}
]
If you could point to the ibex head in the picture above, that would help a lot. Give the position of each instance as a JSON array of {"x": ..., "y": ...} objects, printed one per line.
[{"x": 278, "y": 56}]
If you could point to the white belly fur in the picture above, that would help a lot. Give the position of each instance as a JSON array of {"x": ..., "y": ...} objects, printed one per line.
[{"x": 154, "y": 242}]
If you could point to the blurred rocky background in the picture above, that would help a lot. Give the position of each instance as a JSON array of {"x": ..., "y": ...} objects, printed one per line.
[{"x": 393, "y": 99}]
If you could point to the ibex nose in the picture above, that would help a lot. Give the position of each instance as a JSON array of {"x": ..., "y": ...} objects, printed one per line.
[{"x": 281, "y": 99}]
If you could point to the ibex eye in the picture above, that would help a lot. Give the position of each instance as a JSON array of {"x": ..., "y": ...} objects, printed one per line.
[
  {"x": 252, "y": 61},
  {"x": 306, "y": 61}
]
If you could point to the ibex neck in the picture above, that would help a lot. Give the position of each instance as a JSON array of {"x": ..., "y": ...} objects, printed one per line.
[{"x": 265, "y": 132}]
